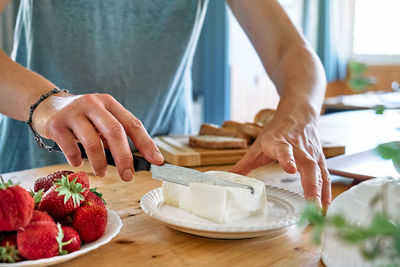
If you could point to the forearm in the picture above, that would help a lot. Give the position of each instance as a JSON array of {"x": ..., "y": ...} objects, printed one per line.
[
  {"x": 300, "y": 80},
  {"x": 19, "y": 88},
  {"x": 293, "y": 67}
]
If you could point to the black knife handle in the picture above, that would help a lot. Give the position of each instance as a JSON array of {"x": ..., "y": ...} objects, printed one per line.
[{"x": 139, "y": 163}]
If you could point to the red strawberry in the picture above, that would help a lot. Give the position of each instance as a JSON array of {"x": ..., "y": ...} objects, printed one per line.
[
  {"x": 46, "y": 182},
  {"x": 10, "y": 240},
  {"x": 62, "y": 198},
  {"x": 38, "y": 240},
  {"x": 67, "y": 220},
  {"x": 90, "y": 221},
  {"x": 16, "y": 206},
  {"x": 39, "y": 215},
  {"x": 8, "y": 249},
  {"x": 71, "y": 239},
  {"x": 81, "y": 178},
  {"x": 95, "y": 198}
]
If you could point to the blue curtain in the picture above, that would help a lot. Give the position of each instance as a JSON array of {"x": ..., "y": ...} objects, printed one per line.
[
  {"x": 210, "y": 70},
  {"x": 7, "y": 22},
  {"x": 335, "y": 67}
]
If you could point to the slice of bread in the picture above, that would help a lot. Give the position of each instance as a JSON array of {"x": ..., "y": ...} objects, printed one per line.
[
  {"x": 210, "y": 129},
  {"x": 248, "y": 129},
  {"x": 219, "y": 142},
  {"x": 264, "y": 116}
]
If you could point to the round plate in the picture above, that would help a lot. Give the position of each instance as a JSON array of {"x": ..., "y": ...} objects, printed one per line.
[
  {"x": 284, "y": 208},
  {"x": 114, "y": 225}
]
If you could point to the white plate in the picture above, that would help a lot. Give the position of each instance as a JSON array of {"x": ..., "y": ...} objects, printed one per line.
[
  {"x": 284, "y": 209},
  {"x": 114, "y": 225}
]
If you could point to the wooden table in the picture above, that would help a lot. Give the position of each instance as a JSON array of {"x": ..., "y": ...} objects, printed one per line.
[{"x": 144, "y": 241}]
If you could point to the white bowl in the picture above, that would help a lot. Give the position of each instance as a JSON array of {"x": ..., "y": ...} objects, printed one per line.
[{"x": 355, "y": 205}]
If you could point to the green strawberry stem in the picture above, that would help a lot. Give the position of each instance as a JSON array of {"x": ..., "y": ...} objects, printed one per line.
[
  {"x": 70, "y": 189},
  {"x": 5, "y": 185},
  {"x": 60, "y": 238},
  {"x": 9, "y": 254},
  {"x": 99, "y": 194},
  {"x": 37, "y": 197}
]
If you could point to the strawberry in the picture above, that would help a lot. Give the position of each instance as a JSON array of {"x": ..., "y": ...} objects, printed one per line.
[
  {"x": 81, "y": 178},
  {"x": 67, "y": 220},
  {"x": 90, "y": 221},
  {"x": 16, "y": 206},
  {"x": 95, "y": 198},
  {"x": 8, "y": 249},
  {"x": 39, "y": 215},
  {"x": 62, "y": 198},
  {"x": 46, "y": 182},
  {"x": 38, "y": 240},
  {"x": 41, "y": 239},
  {"x": 10, "y": 240},
  {"x": 71, "y": 238}
]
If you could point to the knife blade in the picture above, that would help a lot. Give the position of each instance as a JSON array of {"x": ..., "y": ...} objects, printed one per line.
[{"x": 167, "y": 172}]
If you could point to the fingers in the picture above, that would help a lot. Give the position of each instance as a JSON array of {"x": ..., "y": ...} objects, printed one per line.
[
  {"x": 283, "y": 152},
  {"x": 96, "y": 120},
  {"x": 252, "y": 159},
  {"x": 91, "y": 141},
  {"x": 135, "y": 130},
  {"x": 66, "y": 140},
  {"x": 113, "y": 132},
  {"x": 311, "y": 178},
  {"x": 326, "y": 185}
]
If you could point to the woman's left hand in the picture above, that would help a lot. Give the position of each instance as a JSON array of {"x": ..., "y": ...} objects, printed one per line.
[{"x": 296, "y": 146}]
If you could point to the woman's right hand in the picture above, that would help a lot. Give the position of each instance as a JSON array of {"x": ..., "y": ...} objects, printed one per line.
[{"x": 92, "y": 120}]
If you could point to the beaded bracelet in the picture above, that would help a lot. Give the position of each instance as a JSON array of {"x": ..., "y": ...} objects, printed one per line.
[{"x": 39, "y": 140}]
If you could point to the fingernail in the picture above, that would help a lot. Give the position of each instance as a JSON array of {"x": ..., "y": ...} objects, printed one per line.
[
  {"x": 101, "y": 173},
  {"x": 127, "y": 175},
  {"x": 292, "y": 163},
  {"x": 77, "y": 165},
  {"x": 157, "y": 156}
]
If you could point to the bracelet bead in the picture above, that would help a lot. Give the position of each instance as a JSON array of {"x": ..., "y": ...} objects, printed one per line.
[{"x": 38, "y": 140}]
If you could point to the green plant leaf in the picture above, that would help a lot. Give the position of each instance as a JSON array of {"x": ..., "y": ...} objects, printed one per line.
[
  {"x": 389, "y": 150},
  {"x": 382, "y": 225},
  {"x": 313, "y": 214},
  {"x": 379, "y": 109},
  {"x": 357, "y": 67}
]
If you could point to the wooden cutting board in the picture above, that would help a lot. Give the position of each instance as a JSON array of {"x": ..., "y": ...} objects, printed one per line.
[{"x": 176, "y": 150}]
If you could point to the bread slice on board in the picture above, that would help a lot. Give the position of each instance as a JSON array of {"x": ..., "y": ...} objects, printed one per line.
[
  {"x": 248, "y": 129},
  {"x": 264, "y": 116},
  {"x": 210, "y": 129},
  {"x": 220, "y": 142}
]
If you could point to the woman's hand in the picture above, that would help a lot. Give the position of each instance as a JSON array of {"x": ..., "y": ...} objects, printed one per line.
[
  {"x": 93, "y": 120},
  {"x": 295, "y": 145}
]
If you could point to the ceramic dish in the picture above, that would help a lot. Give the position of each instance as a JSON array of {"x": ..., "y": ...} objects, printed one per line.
[
  {"x": 355, "y": 205},
  {"x": 114, "y": 225},
  {"x": 284, "y": 208}
]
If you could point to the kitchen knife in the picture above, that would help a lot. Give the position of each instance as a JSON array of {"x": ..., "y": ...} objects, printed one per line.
[{"x": 167, "y": 172}]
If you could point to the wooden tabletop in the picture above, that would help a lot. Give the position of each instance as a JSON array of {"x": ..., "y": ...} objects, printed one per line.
[{"x": 144, "y": 241}]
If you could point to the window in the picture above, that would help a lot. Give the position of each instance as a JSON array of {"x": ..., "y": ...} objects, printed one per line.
[{"x": 375, "y": 32}]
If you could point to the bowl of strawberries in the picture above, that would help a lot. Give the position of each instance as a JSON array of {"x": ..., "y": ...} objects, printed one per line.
[{"x": 60, "y": 219}]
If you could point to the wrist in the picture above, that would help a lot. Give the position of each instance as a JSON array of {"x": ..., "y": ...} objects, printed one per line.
[
  {"x": 34, "y": 108},
  {"x": 300, "y": 111}
]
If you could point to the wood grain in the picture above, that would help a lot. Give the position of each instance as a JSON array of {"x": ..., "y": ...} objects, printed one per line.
[
  {"x": 176, "y": 150},
  {"x": 144, "y": 241}
]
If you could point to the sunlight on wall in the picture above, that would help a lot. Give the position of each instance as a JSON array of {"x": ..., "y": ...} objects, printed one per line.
[{"x": 251, "y": 88}]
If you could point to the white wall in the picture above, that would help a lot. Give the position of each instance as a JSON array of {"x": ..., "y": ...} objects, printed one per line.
[{"x": 251, "y": 88}]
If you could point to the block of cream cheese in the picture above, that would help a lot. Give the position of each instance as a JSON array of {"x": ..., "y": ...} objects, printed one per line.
[{"x": 221, "y": 204}]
